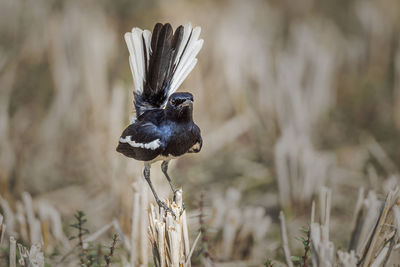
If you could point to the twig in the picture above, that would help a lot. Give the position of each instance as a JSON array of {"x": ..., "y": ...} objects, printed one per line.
[
  {"x": 396, "y": 214},
  {"x": 285, "y": 245},
  {"x": 313, "y": 211},
  {"x": 112, "y": 248},
  {"x": 98, "y": 233},
  {"x": 203, "y": 231},
  {"x": 2, "y": 230},
  {"x": 192, "y": 250},
  {"x": 382, "y": 235},
  {"x": 80, "y": 217},
  {"x": 381, "y": 156},
  {"x": 306, "y": 248}
]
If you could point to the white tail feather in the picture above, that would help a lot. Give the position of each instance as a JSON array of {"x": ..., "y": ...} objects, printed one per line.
[
  {"x": 137, "y": 62},
  {"x": 137, "y": 41},
  {"x": 189, "y": 55},
  {"x": 147, "y": 41},
  {"x": 186, "y": 57},
  {"x": 135, "y": 75},
  {"x": 187, "y": 30},
  {"x": 185, "y": 73},
  {"x": 184, "y": 62},
  {"x": 190, "y": 47}
]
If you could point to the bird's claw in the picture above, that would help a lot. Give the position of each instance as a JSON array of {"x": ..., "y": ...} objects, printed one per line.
[{"x": 166, "y": 208}]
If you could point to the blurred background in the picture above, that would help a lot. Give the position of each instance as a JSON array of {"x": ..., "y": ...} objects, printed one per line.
[{"x": 289, "y": 95}]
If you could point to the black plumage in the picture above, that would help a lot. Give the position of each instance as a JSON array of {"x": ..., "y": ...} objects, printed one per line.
[
  {"x": 172, "y": 126},
  {"x": 164, "y": 47},
  {"x": 164, "y": 127}
]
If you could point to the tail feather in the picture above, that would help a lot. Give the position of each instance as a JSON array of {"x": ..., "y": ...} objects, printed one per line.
[
  {"x": 139, "y": 52},
  {"x": 176, "y": 44},
  {"x": 160, "y": 62},
  {"x": 156, "y": 34},
  {"x": 186, "y": 58}
]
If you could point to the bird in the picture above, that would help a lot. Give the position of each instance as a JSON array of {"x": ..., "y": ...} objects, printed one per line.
[{"x": 163, "y": 128}]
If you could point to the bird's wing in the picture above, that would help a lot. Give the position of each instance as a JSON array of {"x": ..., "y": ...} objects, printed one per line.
[
  {"x": 143, "y": 135},
  {"x": 142, "y": 141},
  {"x": 160, "y": 62}
]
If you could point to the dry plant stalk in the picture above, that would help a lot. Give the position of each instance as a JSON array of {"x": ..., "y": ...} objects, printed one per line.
[
  {"x": 374, "y": 235},
  {"x": 323, "y": 251},
  {"x": 138, "y": 242},
  {"x": 303, "y": 93},
  {"x": 237, "y": 225},
  {"x": 347, "y": 259},
  {"x": 2, "y": 230},
  {"x": 13, "y": 253},
  {"x": 374, "y": 248},
  {"x": 33, "y": 222},
  {"x": 31, "y": 258},
  {"x": 169, "y": 236}
]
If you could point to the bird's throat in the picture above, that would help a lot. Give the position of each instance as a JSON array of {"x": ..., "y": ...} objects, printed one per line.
[{"x": 179, "y": 115}]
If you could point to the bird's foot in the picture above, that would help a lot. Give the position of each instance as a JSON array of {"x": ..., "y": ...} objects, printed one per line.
[{"x": 165, "y": 207}]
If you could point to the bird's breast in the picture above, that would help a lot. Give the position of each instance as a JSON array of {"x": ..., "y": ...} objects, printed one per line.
[{"x": 181, "y": 140}]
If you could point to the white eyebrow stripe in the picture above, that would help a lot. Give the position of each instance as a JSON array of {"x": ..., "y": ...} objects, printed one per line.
[{"x": 153, "y": 145}]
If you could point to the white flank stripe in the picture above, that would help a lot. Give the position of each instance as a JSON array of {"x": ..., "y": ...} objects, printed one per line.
[{"x": 153, "y": 145}]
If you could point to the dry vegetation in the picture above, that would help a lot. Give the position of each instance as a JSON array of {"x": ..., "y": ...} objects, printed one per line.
[{"x": 298, "y": 102}]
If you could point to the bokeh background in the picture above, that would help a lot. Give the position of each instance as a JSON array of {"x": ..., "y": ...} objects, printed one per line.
[{"x": 290, "y": 96}]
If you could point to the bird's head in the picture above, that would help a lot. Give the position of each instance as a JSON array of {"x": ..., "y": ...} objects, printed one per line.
[{"x": 180, "y": 106}]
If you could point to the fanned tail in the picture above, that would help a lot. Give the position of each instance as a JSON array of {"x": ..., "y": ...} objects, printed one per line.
[{"x": 160, "y": 62}]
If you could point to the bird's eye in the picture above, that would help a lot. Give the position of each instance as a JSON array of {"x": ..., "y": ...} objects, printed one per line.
[{"x": 173, "y": 102}]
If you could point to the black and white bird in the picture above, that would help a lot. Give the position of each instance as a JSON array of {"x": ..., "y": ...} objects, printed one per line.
[{"x": 163, "y": 127}]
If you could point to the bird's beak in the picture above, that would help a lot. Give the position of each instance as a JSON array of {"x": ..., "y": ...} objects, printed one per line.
[{"x": 187, "y": 102}]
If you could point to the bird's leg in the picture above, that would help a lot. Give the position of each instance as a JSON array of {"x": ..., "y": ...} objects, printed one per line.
[
  {"x": 146, "y": 173},
  {"x": 164, "y": 168}
]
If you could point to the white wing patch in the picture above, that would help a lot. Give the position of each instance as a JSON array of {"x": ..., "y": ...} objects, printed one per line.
[
  {"x": 153, "y": 145},
  {"x": 186, "y": 57},
  {"x": 134, "y": 41},
  {"x": 195, "y": 148}
]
